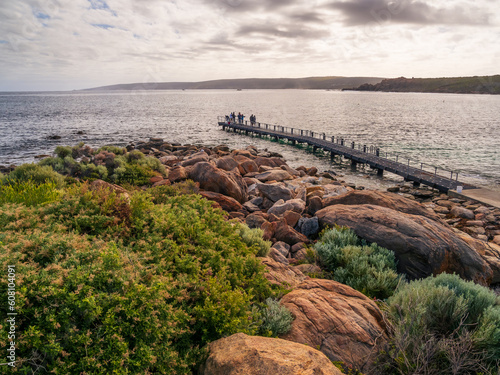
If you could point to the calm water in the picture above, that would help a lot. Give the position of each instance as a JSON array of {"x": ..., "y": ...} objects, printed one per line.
[{"x": 454, "y": 132}]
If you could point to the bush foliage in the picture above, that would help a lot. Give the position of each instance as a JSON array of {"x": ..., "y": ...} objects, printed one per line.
[
  {"x": 444, "y": 325},
  {"x": 253, "y": 238},
  {"x": 276, "y": 319},
  {"x": 29, "y": 193},
  {"x": 110, "y": 283},
  {"x": 370, "y": 269},
  {"x": 109, "y": 163},
  {"x": 34, "y": 173}
]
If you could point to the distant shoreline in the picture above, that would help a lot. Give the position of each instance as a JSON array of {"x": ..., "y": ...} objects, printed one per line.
[{"x": 459, "y": 85}]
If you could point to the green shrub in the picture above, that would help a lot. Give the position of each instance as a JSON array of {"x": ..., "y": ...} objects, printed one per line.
[
  {"x": 253, "y": 238},
  {"x": 63, "y": 151},
  {"x": 133, "y": 174},
  {"x": 276, "y": 319},
  {"x": 134, "y": 156},
  {"x": 37, "y": 174},
  {"x": 370, "y": 269},
  {"x": 113, "y": 283},
  {"x": 114, "y": 149},
  {"x": 444, "y": 325},
  {"x": 161, "y": 193},
  {"x": 29, "y": 193}
]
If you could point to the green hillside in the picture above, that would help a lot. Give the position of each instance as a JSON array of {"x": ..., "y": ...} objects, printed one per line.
[{"x": 458, "y": 85}]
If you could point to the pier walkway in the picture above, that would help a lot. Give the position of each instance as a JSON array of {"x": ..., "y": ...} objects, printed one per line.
[{"x": 362, "y": 154}]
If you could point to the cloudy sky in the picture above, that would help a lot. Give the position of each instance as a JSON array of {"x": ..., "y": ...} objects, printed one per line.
[{"x": 75, "y": 44}]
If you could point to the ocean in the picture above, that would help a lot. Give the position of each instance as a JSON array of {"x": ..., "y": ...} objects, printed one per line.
[{"x": 454, "y": 132}]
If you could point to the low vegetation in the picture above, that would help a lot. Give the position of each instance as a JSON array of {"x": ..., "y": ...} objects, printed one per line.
[
  {"x": 370, "y": 269},
  {"x": 131, "y": 283},
  {"x": 109, "y": 163},
  {"x": 443, "y": 325}
]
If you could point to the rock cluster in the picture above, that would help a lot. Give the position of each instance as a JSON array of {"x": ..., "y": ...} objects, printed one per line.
[{"x": 429, "y": 232}]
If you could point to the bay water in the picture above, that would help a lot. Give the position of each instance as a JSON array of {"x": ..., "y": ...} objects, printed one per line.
[{"x": 459, "y": 133}]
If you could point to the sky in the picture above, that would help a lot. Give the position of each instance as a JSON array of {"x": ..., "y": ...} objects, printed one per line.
[{"x": 77, "y": 44}]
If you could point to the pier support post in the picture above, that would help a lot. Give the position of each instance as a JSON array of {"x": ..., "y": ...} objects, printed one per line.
[
  {"x": 353, "y": 165},
  {"x": 315, "y": 148},
  {"x": 380, "y": 172},
  {"x": 416, "y": 183}
]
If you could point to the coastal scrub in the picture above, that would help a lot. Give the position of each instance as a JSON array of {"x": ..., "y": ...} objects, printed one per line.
[{"x": 114, "y": 283}]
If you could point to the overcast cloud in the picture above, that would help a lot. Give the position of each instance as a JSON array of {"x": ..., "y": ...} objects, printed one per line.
[{"x": 65, "y": 45}]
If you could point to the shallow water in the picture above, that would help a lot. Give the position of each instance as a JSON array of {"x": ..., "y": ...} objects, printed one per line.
[{"x": 454, "y": 132}]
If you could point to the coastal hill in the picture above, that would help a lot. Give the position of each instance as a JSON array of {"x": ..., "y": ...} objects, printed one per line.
[
  {"x": 458, "y": 85},
  {"x": 318, "y": 83}
]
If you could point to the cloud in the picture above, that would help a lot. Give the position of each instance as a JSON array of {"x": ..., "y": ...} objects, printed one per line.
[
  {"x": 284, "y": 31},
  {"x": 68, "y": 44},
  {"x": 360, "y": 12}
]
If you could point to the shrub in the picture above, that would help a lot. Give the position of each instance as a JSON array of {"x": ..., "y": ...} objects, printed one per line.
[
  {"x": 133, "y": 174},
  {"x": 63, "y": 151},
  {"x": 277, "y": 319},
  {"x": 253, "y": 238},
  {"x": 37, "y": 174},
  {"x": 29, "y": 193},
  {"x": 115, "y": 284},
  {"x": 444, "y": 325},
  {"x": 370, "y": 269},
  {"x": 161, "y": 193},
  {"x": 114, "y": 149}
]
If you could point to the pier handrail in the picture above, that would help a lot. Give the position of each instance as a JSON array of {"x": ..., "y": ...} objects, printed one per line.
[{"x": 375, "y": 150}]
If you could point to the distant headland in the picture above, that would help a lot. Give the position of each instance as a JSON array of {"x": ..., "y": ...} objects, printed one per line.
[
  {"x": 457, "y": 85},
  {"x": 313, "y": 83}
]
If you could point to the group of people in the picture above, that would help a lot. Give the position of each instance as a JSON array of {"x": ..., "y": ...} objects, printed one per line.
[{"x": 232, "y": 117}]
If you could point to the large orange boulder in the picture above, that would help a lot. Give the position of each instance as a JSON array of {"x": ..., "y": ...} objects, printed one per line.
[
  {"x": 217, "y": 180},
  {"x": 338, "y": 320},
  {"x": 422, "y": 246},
  {"x": 281, "y": 274},
  {"x": 228, "y": 204},
  {"x": 379, "y": 198},
  {"x": 227, "y": 163},
  {"x": 240, "y": 354}
]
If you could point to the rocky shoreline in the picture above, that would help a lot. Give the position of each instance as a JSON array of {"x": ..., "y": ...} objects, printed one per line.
[
  {"x": 430, "y": 233},
  {"x": 292, "y": 205}
]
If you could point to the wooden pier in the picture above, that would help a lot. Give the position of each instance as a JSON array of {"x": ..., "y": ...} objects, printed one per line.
[{"x": 362, "y": 154}]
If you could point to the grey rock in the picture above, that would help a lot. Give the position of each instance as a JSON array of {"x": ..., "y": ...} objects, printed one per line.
[
  {"x": 275, "y": 192},
  {"x": 463, "y": 213},
  {"x": 280, "y": 207},
  {"x": 282, "y": 247}
]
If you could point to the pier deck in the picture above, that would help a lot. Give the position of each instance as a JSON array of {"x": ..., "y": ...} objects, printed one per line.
[{"x": 363, "y": 155}]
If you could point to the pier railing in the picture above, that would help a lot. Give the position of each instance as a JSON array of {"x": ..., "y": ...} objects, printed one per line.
[{"x": 397, "y": 157}]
